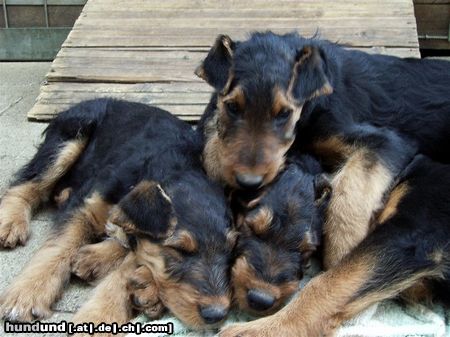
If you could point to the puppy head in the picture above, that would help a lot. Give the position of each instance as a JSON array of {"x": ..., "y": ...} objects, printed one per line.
[
  {"x": 262, "y": 85},
  {"x": 187, "y": 246},
  {"x": 279, "y": 232}
]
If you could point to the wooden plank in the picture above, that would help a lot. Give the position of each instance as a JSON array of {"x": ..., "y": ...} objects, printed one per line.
[
  {"x": 45, "y": 113},
  {"x": 107, "y": 65},
  {"x": 389, "y": 37},
  {"x": 244, "y": 4},
  {"x": 431, "y": 2}
]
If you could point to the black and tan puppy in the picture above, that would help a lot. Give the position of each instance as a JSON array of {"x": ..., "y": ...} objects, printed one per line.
[
  {"x": 138, "y": 167},
  {"x": 364, "y": 116},
  {"x": 408, "y": 252},
  {"x": 279, "y": 231}
]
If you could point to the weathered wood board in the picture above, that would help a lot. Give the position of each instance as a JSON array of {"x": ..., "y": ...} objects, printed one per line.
[{"x": 147, "y": 50}]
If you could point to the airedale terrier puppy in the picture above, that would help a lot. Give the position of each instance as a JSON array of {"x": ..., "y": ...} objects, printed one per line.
[
  {"x": 138, "y": 167},
  {"x": 364, "y": 116},
  {"x": 279, "y": 230},
  {"x": 407, "y": 253}
]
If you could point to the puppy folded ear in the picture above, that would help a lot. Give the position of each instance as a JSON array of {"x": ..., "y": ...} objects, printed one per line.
[
  {"x": 146, "y": 210},
  {"x": 309, "y": 79},
  {"x": 322, "y": 190},
  {"x": 309, "y": 245},
  {"x": 215, "y": 67},
  {"x": 182, "y": 240}
]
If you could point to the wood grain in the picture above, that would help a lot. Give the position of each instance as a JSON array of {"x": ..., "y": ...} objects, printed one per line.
[{"x": 147, "y": 50}]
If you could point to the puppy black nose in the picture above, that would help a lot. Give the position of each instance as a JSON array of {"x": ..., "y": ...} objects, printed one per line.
[
  {"x": 212, "y": 314},
  {"x": 249, "y": 180},
  {"x": 259, "y": 300}
]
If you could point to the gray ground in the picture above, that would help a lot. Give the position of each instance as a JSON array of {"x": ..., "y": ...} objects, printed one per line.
[{"x": 19, "y": 87}]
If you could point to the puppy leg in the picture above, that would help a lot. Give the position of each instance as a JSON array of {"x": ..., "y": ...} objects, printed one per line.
[
  {"x": 374, "y": 159},
  {"x": 33, "y": 187},
  {"x": 40, "y": 284},
  {"x": 377, "y": 269},
  {"x": 357, "y": 193},
  {"x": 110, "y": 300},
  {"x": 144, "y": 293},
  {"x": 94, "y": 261}
]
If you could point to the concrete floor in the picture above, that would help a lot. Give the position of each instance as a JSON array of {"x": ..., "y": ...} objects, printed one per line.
[{"x": 19, "y": 87}]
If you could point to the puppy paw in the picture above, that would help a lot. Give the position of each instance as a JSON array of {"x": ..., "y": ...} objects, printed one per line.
[
  {"x": 14, "y": 221},
  {"x": 144, "y": 293},
  {"x": 94, "y": 261},
  {"x": 20, "y": 305}
]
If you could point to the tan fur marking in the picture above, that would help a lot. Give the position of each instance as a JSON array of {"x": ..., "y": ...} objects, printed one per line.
[
  {"x": 419, "y": 292},
  {"x": 118, "y": 219},
  {"x": 326, "y": 301},
  {"x": 358, "y": 192},
  {"x": 227, "y": 86},
  {"x": 244, "y": 279},
  {"x": 261, "y": 221},
  {"x": 307, "y": 53},
  {"x": 19, "y": 202},
  {"x": 200, "y": 72},
  {"x": 395, "y": 197},
  {"x": 356, "y": 306},
  {"x": 307, "y": 313},
  {"x": 180, "y": 298},
  {"x": 66, "y": 158},
  {"x": 236, "y": 96},
  {"x": 110, "y": 299},
  {"x": 308, "y": 246},
  {"x": 94, "y": 261},
  {"x": 63, "y": 196},
  {"x": 117, "y": 233},
  {"x": 182, "y": 239},
  {"x": 282, "y": 101},
  {"x": 95, "y": 212},
  {"x": 333, "y": 150},
  {"x": 16, "y": 208},
  {"x": 327, "y": 89},
  {"x": 212, "y": 158},
  {"x": 46, "y": 273},
  {"x": 221, "y": 161},
  {"x": 226, "y": 41}
]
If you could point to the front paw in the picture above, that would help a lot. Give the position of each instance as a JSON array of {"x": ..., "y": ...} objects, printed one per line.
[
  {"x": 18, "y": 304},
  {"x": 91, "y": 263},
  {"x": 144, "y": 293},
  {"x": 13, "y": 225}
]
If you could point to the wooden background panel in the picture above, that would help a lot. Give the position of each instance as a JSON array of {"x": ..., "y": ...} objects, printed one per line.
[{"x": 147, "y": 50}]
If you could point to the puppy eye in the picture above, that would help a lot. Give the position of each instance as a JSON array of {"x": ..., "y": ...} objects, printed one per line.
[
  {"x": 284, "y": 277},
  {"x": 232, "y": 109},
  {"x": 283, "y": 115}
]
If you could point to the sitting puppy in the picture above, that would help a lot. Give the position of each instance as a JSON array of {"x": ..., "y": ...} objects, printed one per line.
[
  {"x": 138, "y": 167},
  {"x": 279, "y": 231}
]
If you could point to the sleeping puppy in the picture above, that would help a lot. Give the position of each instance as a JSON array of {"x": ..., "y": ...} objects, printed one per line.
[
  {"x": 279, "y": 230},
  {"x": 109, "y": 161}
]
